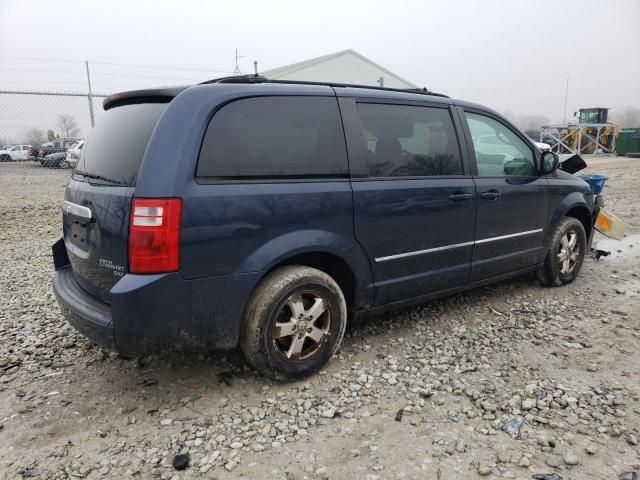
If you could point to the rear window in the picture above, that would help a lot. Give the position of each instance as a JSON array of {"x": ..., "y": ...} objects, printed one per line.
[
  {"x": 281, "y": 137},
  {"x": 113, "y": 152}
]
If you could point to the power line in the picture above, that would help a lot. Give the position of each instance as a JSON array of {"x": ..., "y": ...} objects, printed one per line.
[
  {"x": 40, "y": 59},
  {"x": 164, "y": 67},
  {"x": 40, "y": 81},
  {"x": 38, "y": 70},
  {"x": 145, "y": 76},
  {"x": 45, "y": 82}
]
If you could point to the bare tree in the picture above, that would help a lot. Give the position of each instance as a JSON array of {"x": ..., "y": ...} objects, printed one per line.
[
  {"x": 35, "y": 137},
  {"x": 68, "y": 125},
  {"x": 627, "y": 117}
]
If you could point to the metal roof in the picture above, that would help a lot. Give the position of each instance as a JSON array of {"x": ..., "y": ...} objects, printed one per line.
[{"x": 279, "y": 72}]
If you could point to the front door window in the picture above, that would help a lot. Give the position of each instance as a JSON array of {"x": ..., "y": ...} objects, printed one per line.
[{"x": 499, "y": 151}]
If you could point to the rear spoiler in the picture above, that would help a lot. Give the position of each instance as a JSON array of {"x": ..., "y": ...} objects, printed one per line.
[{"x": 151, "y": 95}]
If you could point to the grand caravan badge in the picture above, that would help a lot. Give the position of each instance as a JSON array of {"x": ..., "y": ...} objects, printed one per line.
[{"x": 117, "y": 270}]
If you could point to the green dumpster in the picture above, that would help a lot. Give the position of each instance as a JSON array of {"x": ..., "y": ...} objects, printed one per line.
[{"x": 628, "y": 141}]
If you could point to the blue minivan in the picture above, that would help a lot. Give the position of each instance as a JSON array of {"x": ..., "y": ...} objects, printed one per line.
[{"x": 263, "y": 213}]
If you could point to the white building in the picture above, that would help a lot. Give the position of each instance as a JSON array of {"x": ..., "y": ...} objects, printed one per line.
[{"x": 347, "y": 66}]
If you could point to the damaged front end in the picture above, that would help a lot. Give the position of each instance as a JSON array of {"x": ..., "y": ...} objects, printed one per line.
[{"x": 604, "y": 222}]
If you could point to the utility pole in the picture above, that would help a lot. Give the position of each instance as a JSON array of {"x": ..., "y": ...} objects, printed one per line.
[
  {"x": 381, "y": 81},
  {"x": 566, "y": 94},
  {"x": 90, "y": 97},
  {"x": 237, "y": 69},
  {"x": 255, "y": 67}
]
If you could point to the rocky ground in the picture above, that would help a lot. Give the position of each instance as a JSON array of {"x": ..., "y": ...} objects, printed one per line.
[{"x": 508, "y": 381}]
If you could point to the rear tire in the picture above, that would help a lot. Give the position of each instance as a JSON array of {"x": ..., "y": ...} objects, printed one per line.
[
  {"x": 293, "y": 323},
  {"x": 565, "y": 254}
]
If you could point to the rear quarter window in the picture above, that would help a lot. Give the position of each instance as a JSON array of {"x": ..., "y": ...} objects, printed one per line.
[{"x": 274, "y": 137}]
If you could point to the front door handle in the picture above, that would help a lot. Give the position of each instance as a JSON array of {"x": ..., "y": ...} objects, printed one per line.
[
  {"x": 458, "y": 197},
  {"x": 490, "y": 195}
]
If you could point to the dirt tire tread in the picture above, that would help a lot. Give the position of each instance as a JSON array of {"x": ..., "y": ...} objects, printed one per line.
[
  {"x": 252, "y": 341},
  {"x": 549, "y": 274}
]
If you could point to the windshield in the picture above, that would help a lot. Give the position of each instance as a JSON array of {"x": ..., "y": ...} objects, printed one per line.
[{"x": 113, "y": 153}]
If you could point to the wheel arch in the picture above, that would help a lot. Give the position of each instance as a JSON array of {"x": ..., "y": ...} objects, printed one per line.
[
  {"x": 582, "y": 213},
  {"x": 331, "y": 264},
  {"x": 337, "y": 256},
  {"x": 573, "y": 205}
]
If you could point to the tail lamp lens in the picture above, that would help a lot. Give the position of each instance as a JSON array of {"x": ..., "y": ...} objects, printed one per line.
[{"x": 154, "y": 235}]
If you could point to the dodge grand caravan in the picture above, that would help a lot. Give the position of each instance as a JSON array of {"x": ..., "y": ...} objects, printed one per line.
[{"x": 266, "y": 213}]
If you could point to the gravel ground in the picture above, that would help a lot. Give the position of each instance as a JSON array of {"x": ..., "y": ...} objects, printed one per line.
[{"x": 507, "y": 381}]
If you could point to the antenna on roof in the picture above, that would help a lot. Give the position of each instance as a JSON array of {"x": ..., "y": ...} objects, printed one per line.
[{"x": 237, "y": 69}]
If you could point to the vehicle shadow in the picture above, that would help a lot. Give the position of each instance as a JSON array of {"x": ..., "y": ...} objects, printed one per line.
[{"x": 222, "y": 371}]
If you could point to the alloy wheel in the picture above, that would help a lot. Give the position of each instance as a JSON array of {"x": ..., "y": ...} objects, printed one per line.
[
  {"x": 301, "y": 327},
  {"x": 568, "y": 252}
]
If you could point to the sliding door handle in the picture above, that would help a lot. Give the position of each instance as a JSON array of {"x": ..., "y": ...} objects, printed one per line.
[
  {"x": 490, "y": 195},
  {"x": 459, "y": 197}
]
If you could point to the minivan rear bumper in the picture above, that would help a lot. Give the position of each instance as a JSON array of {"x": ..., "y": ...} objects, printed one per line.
[
  {"x": 87, "y": 314},
  {"x": 155, "y": 313}
]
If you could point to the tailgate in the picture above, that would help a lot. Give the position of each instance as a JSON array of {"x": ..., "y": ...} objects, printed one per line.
[
  {"x": 99, "y": 195},
  {"x": 95, "y": 227}
]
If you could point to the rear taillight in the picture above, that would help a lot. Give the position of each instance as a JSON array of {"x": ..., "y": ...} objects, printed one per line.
[{"x": 154, "y": 235}]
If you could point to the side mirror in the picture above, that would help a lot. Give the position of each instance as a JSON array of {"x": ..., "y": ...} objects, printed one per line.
[{"x": 550, "y": 162}]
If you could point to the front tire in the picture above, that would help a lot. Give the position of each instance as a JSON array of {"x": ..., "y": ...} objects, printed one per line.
[
  {"x": 565, "y": 254},
  {"x": 294, "y": 322}
]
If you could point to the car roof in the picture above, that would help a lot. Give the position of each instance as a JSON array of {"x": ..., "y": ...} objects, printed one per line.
[{"x": 246, "y": 84}]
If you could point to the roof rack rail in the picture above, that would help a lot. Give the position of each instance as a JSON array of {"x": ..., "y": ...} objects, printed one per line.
[
  {"x": 250, "y": 78},
  {"x": 255, "y": 78}
]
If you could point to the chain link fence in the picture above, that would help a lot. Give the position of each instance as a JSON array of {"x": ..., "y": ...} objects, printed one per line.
[{"x": 34, "y": 118}]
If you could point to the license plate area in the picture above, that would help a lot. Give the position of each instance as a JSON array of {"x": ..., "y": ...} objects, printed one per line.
[{"x": 79, "y": 234}]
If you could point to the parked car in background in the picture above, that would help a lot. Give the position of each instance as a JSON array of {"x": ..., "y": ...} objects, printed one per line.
[
  {"x": 16, "y": 153},
  {"x": 6, "y": 147},
  {"x": 265, "y": 215},
  {"x": 55, "y": 160},
  {"x": 542, "y": 140},
  {"x": 540, "y": 145},
  {"x": 73, "y": 154},
  {"x": 57, "y": 146}
]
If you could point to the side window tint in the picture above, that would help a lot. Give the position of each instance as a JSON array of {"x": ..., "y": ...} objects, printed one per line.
[
  {"x": 409, "y": 141},
  {"x": 499, "y": 151},
  {"x": 266, "y": 137}
]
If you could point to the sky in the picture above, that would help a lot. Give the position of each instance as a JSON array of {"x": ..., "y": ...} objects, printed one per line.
[{"x": 510, "y": 55}]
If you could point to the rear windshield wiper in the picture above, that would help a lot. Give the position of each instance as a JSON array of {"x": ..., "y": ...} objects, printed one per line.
[{"x": 98, "y": 177}]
